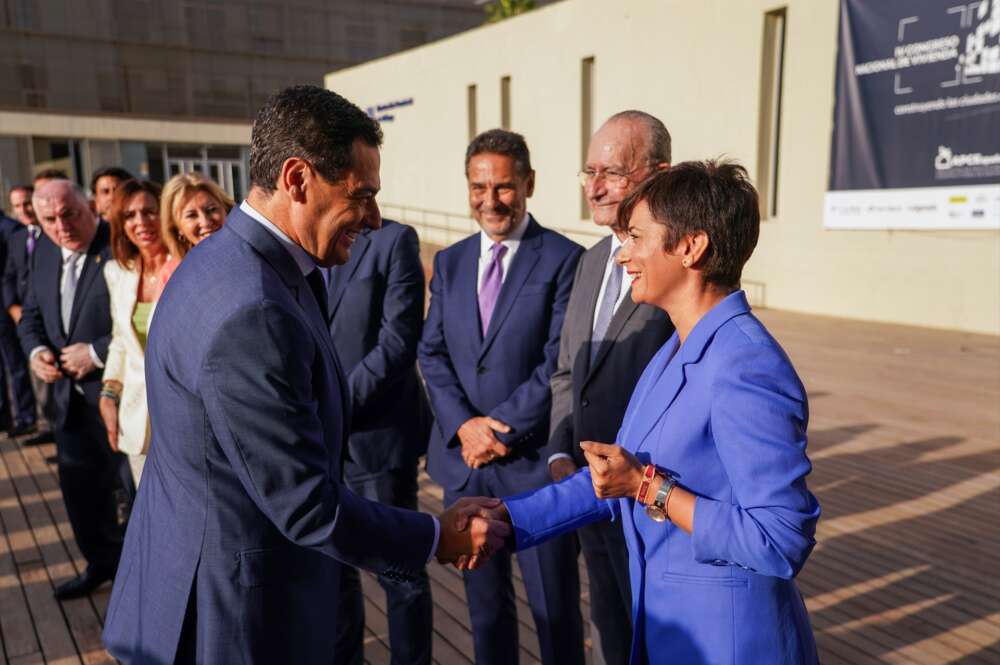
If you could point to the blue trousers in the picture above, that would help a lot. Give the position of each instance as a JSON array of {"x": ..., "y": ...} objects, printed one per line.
[
  {"x": 15, "y": 366},
  {"x": 409, "y": 606}
]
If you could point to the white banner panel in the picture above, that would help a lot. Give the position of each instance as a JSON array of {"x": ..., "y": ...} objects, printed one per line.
[{"x": 970, "y": 207}]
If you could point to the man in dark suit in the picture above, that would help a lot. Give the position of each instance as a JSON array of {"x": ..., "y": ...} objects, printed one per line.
[
  {"x": 19, "y": 415},
  {"x": 237, "y": 538},
  {"x": 65, "y": 330},
  {"x": 607, "y": 341},
  {"x": 376, "y": 311},
  {"x": 29, "y": 390},
  {"x": 489, "y": 346}
]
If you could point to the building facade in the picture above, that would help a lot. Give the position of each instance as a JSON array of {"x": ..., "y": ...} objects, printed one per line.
[
  {"x": 751, "y": 80},
  {"x": 166, "y": 86}
]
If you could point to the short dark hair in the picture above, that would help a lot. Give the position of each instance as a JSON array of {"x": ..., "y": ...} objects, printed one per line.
[
  {"x": 116, "y": 172},
  {"x": 30, "y": 189},
  {"x": 312, "y": 123},
  {"x": 50, "y": 174},
  {"x": 710, "y": 197},
  {"x": 122, "y": 248},
  {"x": 501, "y": 142},
  {"x": 658, "y": 150}
]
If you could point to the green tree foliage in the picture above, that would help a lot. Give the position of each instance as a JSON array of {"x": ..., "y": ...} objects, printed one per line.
[{"x": 502, "y": 9}]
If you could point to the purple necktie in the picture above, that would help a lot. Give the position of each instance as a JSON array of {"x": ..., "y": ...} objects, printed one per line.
[
  {"x": 490, "y": 289},
  {"x": 29, "y": 243}
]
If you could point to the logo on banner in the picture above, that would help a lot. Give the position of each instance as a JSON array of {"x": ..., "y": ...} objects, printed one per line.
[{"x": 969, "y": 165}]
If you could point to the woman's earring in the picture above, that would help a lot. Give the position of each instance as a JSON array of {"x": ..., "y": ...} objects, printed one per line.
[{"x": 685, "y": 263}]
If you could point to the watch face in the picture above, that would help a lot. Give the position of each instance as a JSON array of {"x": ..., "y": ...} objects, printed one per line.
[{"x": 656, "y": 514}]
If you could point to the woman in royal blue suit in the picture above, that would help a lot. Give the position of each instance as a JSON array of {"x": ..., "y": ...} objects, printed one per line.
[{"x": 713, "y": 443}]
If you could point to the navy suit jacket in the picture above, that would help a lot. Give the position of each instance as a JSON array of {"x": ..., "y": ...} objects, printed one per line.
[
  {"x": 725, "y": 414},
  {"x": 233, "y": 547},
  {"x": 16, "y": 269},
  {"x": 504, "y": 374},
  {"x": 90, "y": 318},
  {"x": 376, "y": 307}
]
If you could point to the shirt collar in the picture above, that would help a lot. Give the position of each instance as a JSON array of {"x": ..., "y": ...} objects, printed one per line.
[
  {"x": 302, "y": 259},
  {"x": 67, "y": 253},
  {"x": 615, "y": 245},
  {"x": 512, "y": 241}
]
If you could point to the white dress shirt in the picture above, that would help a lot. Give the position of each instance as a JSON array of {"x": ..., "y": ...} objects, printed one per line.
[
  {"x": 626, "y": 285},
  {"x": 67, "y": 254},
  {"x": 306, "y": 264},
  {"x": 512, "y": 242}
]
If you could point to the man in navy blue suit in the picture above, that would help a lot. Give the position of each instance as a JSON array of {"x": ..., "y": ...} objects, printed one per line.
[
  {"x": 489, "y": 347},
  {"x": 241, "y": 525},
  {"x": 65, "y": 330},
  {"x": 12, "y": 361},
  {"x": 376, "y": 311}
]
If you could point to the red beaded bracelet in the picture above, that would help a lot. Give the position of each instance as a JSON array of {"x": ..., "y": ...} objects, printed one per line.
[{"x": 648, "y": 473}]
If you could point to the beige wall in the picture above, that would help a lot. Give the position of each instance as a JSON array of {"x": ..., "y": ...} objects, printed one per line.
[
  {"x": 23, "y": 123},
  {"x": 696, "y": 65}
]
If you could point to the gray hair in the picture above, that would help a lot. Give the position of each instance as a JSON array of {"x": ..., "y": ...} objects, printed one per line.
[
  {"x": 41, "y": 193},
  {"x": 658, "y": 138}
]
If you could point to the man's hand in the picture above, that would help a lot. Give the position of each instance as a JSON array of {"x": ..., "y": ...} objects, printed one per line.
[
  {"x": 480, "y": 445},
  {"x": 109, "y": 414},
  {"x": 561, "y": 467},
  {"x": 614, "y": 471},
  {"x": 472, "y": 530},
  {"x": 43, "y": 364},
  {"x": 77, "y": 361}
]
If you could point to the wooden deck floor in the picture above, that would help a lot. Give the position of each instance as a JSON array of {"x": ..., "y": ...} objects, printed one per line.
[{"x": 905, "y": 440}]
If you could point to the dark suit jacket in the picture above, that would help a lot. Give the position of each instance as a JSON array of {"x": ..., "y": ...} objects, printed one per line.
[
  {"x": 376, "y": 306},
  {"x": 15, "y": 272},
  {"x": 90, "y": 320},
  {"x": 235, "y": 538},
  {"x": 506, "y": 374},
  {"x": 588, "y": 402}
]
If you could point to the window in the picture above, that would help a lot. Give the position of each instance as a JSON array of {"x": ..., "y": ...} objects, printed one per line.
[
  {"x": 505, "y": 102},
  {"x": 769, "y": 114},
  {"x": 586, "y": 120},
  {"x": 470, "y": 106}
]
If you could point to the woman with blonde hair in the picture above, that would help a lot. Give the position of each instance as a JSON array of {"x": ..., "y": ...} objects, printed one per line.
[
  {"x": 133, "y": 286},
  {"x": 192, "y": 208}
]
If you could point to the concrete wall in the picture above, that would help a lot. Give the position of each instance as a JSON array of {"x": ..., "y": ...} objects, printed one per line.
[{"x": 696, "y": 65}]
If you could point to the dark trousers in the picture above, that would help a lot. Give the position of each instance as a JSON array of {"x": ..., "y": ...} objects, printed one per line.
[
  {"x": 89, "y": 478},
  {"x": 15, "y": 366},
  {"x": 551, "y": 580},
  {"x": 409, "y": 606},
  {"x": 606, "y": 556}
]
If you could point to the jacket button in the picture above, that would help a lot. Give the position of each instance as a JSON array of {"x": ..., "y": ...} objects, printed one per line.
[{"x": 585, "y": 403}]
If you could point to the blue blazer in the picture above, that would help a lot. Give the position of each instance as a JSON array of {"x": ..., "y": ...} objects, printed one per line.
[
  {"x": 90, "y": 318},
  {"x": 376, "y": 307},
  {"x": 233, "y": 547},
  {"x": 504, "y": 374},
  {"x": 726, "y": 414}
]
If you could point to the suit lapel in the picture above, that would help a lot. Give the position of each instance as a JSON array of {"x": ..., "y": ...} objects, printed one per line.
[
  {"x": 624, "y": 312},
  {"x": 46, "y": 272},
  {"x": 520, "y": 268},
  {"x": 341, "y": 276},
  {"x": 93, "y": 265},
  {"x": 129, "y": 297},
  {"x": 465, "y": 287}
]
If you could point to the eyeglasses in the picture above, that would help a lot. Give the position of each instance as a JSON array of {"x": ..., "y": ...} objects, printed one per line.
[{"x": 612, "y": 177}]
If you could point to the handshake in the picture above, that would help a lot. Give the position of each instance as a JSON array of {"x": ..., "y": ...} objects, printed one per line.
[{"x": 472, "y": 530}]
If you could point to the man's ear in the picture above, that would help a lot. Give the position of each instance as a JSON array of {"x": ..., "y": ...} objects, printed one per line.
[
  {"x": 295, "y": 173},
  {"x": 531, "y": 183}
]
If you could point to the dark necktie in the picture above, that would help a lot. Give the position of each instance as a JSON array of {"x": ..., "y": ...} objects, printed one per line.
[
  {"x": 489, "y": 291},
  {"x": 29, "y": 243},
  {"x": 318, "y": 286},
  {"x": 607, "y": 309}
]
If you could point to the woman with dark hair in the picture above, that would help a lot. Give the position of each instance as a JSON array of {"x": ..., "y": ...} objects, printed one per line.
[
  {"x": 708, "y": 475},
  {"x": 133, "y": 284}
]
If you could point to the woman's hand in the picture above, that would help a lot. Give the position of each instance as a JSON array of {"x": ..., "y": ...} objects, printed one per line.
[
  {"x": 614, "y": 471},
  {"x": 109, "y": 414}
]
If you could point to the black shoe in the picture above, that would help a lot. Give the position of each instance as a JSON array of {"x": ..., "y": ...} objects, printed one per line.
[
  {"x": 82, "y": 585},
  {"x": 22, "y": 429},
  {"x": 45, "y": 436}
]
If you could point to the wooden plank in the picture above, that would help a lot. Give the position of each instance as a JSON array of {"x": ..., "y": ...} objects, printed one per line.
[{"x": 16, "y": 625}]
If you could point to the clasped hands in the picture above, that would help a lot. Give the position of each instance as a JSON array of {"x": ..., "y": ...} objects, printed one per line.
[
  {"x": 75, "y": 362},
  {"x": 480, "y": 445},
  {"x": 472, "y": 530}
]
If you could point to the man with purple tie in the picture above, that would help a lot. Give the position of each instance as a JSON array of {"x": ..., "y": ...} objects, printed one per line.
[{"x": 489, "y": 346}]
